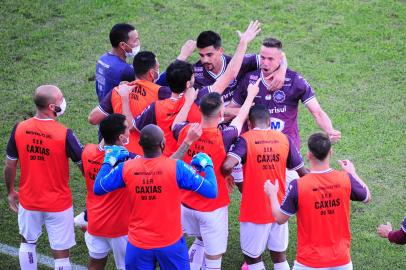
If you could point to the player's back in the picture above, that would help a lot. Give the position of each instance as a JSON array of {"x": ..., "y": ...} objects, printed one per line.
[
  {"x": 108, "y": 215},
  {"x": 142, "y": 94},
  {"x": 267, "y": 154},
  {"x": 41, "y": 145},
  {"x": 323, "y": 219},
  {"x": 155, "y": 202},
  {"x": 165, "y": 112},
  {"x": 211, "y": 143}
]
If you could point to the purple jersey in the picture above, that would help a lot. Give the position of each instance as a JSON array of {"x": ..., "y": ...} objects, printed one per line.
[
  {"x": 110, "y": 71},
  {"x": 72, "y": 146},
  {"x": 204, "y": 77},
  {"x": 404, "y": 225},
  {"x": 229, "y": 134},
  {"x": 282, "y": 104},
  {"x": 290, "y": 202},
  {"x": 294, "y": 161}
]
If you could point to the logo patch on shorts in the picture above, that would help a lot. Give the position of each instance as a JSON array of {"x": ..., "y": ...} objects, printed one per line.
[{"x": 279, "y": 96}]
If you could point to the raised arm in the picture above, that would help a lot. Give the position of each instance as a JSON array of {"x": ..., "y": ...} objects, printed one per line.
[
  {"x": 194, "y": 133},
  {"x": 109, "y": 179},
  {"x": 239, "y": 120},
  {"x": 347, "y": 166},
  {"x": 190, "y": 97},
  {"x": 235, "y": 64}
]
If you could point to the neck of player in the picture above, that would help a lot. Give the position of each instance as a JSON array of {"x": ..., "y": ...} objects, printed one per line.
[
  {"x": 119, "y": 52},
  {"x": 319, "y": 165},
  {"x": 209, "y": 122},
  {"x": 48, "y": 114}
]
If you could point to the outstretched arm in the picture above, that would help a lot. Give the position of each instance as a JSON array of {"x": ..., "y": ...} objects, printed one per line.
[{"x": 235, "y": 64}]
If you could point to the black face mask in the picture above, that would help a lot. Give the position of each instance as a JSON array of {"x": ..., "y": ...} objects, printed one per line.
[{"x": 57, "y": 110}]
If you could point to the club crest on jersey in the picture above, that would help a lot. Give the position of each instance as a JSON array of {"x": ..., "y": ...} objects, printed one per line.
[{"x": 279, "y": 96}]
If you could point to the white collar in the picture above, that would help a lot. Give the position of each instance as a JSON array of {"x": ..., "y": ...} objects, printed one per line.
[
  {"x": 44, "y": 119},
  {"x": 223, "y": 68},
  {"x": 320, "y": 172}
]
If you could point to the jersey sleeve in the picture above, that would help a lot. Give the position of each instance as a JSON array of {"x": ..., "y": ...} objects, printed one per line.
[
  {"x": 202, "y": 92},
  {"x": 399, "y": 236},
  {"x": 74, "y": 148},
  {"x": 145, "y": 118},
  {"x": 162, "y": 79},
  {"x": 289, "y": 204},
  {"x": 128, "y": 74},
  {"x": 108, "y": 179},
  {"x": 358, "y": 191},
  {"x": 249, "y": 63},
  {"x": 187, "y": 178},
  {"x": 230, "y": 134},
  {"x": 12, "y": 152},
  {"x": 303, "y": 89},
  {"x": 164, "y": 92},
  {"x": 178, "y": 128},
  {"x": 295, "y": 161},
  {"x": 105, "y": 105},
  {"x": 240, "y": 93},
  {"x": 239, "y": 150}
]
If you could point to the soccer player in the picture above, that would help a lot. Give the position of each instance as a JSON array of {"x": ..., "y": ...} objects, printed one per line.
[
  {"x": 208, "y": 219},
  {"x": 141, "y": 93},
  {"x": 265, "y": 154},
  {"x": 321, "y": 200},
  {"x": 283, "y": 103},
  {"x": 154, "y": 182},
  {"x": 396, "y": 237},
  {"x": 112, "y": 68},
  {"x": 43, "y": 146},
  {"x": 213, "y": 63},
  {"x": 180, "y": 77}
]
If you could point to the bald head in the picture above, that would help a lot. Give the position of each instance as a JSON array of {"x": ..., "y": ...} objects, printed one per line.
[
  {"x": 151, "y": 137},
  {"x": 45, "y": 95}
]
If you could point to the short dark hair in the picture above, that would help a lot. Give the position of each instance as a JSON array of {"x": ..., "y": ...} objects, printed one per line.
[
  {"x": 178, "y": 74},
  {"x": 143, "y": 62},
  {"x": 319, "y": 145},
  {"x": 119, "y": 33},
  {"x": 208, "y": 38},
  {"x": 259, "y": 114},
  {"x": 41, "y": 101},
  {"x": 210, "y": 104},
  {"x": 112, "y": 127},
  {"x": 272, "y": 43}
]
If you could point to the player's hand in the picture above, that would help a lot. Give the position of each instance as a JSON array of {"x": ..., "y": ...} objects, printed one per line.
[
  {"x": 124, "y": 90},
  {"x": 187, "y": 50},
  {"x": 230, "y": 183},
  {"x": 200, "y": 161},
  {"x": 334, "y": 136},
  {"x": 190, "y": 95},
  {"x": 194, "y": 133},
  {"x": 347, "y": 166},
  {"x": 251, "y": 32},
  {"x": 13, "y": 200},
  {"x": 115, "y": 154},
  {"x": 253, "y": 89},
  {"x": 271, "y": 188},
  {"x": 277, "y": 79},
  {"x": 384, "y": 229}
]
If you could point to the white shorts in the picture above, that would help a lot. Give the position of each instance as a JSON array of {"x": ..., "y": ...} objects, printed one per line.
[
  {"x": 237, "y": 173},
  {"x": 99, "y": 248},
  {"x": 59, "y": 226},
  {"x": 211, "y": 226},
  {"x": 299, "y": 266},
  {"x": 254, "y": 238},
  {"x": 290, "y": 175}
]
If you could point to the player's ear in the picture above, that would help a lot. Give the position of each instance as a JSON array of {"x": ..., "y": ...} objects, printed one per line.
[
  {"x": 309, "y": 155},
  {"x": 221, "y": 50}
]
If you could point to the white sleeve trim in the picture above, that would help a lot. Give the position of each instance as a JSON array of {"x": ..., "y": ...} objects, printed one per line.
[
  {"x": 103, "y": 111},
  {"x": 286, "y": 213},
  {"x": 297, "y": 167},
  {"x": 366, "y": 196},
  {"x": 135, "y": 125},
  {"x": 403, "y": 229},
  {"x": 258, "y": 61},
  {"x": 307, "y": 100},
  {"x": 199, "y": 185},
  {"x": 234, "y": 156},
  {"x": 11, "y": 158}
]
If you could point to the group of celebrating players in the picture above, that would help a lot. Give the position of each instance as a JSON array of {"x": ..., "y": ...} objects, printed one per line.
[{"x": 172, "y": 147}]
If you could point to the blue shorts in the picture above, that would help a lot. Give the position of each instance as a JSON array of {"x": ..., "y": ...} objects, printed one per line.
[{"x": 173, "y": 257}]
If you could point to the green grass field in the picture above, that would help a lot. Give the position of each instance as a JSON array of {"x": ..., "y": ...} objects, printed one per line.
[{"x": 352, "y": 53}]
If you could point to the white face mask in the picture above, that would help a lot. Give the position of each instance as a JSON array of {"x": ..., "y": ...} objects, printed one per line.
[
  {"x": 133, "y": 52},
  {"x": 61, "y": 109}
]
